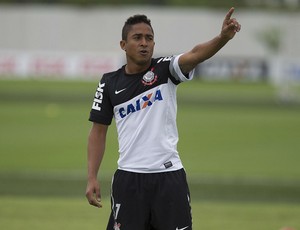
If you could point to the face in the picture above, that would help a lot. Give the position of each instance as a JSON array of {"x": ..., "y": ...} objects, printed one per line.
[{"x": 139, "y": 45}]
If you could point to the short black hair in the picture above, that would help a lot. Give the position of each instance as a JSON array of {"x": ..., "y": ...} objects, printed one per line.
[{"x": 135, "y": 19}]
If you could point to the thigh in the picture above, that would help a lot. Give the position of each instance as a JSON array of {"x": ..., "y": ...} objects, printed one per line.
[
  {"x": 130, "y": 208},
  {"x": 171, "y": 206}
]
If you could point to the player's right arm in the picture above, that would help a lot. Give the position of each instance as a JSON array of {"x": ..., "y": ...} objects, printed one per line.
[
  {"x": 95, "y": 152},
  {"x": 203, "y": 51}
]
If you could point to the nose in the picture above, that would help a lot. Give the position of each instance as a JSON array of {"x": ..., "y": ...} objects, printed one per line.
[{"x": 144, "y": 41}]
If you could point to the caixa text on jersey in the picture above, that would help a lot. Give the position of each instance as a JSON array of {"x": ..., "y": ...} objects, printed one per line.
[{"x": 141, "y": 103}]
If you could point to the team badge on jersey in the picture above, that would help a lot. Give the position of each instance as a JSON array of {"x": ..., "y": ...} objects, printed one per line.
[{"x": 149, "y": 78}]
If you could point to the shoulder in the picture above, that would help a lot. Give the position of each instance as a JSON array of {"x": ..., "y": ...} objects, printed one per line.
[
  {"x": 167, "y": 65},
  {"x": 162, "y": 65},
  {"x": 163, "y": 60},
  {"x": 110, "y": 76}
]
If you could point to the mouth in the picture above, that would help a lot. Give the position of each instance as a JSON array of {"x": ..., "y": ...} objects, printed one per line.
[{"x": 144, "y": 52}]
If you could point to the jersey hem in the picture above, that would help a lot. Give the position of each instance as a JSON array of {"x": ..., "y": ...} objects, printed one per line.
[{"x": 151, "y": 171}]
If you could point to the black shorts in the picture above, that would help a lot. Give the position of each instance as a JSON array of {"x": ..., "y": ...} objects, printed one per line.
[{"x": 150, "y": 201}]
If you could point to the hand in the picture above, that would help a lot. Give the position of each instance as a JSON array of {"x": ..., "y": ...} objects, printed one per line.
[
  {"x": 230, "y": 26},
  {"x": 93, "y": 193}
]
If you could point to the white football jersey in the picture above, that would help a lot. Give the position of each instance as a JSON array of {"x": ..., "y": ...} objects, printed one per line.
[{"x": 144, "y": 107}]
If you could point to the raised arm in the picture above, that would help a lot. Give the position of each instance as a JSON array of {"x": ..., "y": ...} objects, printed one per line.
[
  {"x": 96, "y": 148},
  {"x": 188, "y": 61}
]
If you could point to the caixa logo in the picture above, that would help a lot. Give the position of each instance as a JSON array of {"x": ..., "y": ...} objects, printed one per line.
[
  {"x": 98, "y": 97},
  {"x": 141, "y": 103}
]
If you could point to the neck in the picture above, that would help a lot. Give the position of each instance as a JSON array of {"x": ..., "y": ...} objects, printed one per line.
[{"x": 134, "y": 68}]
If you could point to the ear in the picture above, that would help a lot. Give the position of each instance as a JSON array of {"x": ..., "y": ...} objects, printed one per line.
[{"x": 123, "y": 45}]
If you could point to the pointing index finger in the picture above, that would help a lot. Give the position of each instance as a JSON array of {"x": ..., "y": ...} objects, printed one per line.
[{"x": 229, "y": 14}]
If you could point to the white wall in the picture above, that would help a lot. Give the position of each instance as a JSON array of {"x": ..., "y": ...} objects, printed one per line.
[
  {"x": 176, "y": 29},
  {"x": 35, "y": 36}
]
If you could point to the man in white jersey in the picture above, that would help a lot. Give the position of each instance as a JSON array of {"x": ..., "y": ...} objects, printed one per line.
[{"x": 149, "y": 189}]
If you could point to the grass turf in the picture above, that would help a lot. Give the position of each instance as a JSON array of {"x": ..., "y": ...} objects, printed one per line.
[
  {"x": 74, "y": 213},
  {"x": 237, "y": 130},
  {"x": 239, "y": 145}
]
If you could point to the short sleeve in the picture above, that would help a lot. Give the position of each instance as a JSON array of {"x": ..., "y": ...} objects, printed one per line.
[
  {"x": 102, "y": 110},
  {"x": 176, "y": 71}
]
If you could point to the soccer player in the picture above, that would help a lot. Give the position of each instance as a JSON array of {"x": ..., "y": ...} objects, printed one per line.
[{"x": 149, "y": 189}]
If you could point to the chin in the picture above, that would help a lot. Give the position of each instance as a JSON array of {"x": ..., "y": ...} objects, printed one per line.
[{"x": 144, "y": 61}]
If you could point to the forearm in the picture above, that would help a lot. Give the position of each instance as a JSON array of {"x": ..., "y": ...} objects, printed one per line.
[
  {"x": 95, "y": 156},
  {"x": 200, "y": 53},
  {"x": 208, "y": 49},
  {"x": 204, "y": 51},
  {"x": 96, "y": 149}
]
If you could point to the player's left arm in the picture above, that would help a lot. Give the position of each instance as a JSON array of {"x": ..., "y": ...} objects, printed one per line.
[{"x": 201, "y": 52}]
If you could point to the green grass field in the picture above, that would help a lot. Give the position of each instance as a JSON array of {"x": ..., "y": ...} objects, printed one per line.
[{"x": 239, "y": 144}]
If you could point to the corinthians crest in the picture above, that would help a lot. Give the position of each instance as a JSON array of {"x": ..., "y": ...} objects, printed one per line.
[{"x": 149, "y": 78}]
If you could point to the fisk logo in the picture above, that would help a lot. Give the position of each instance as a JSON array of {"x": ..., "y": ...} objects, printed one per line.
[
  {"x": 98, "y": 97},
  {"x": 141, "y": 103}
]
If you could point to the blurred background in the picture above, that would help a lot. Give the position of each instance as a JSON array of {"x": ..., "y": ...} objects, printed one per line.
[
  {"x": 239, "y": 120},
  {"x": 80, "y": 39}
]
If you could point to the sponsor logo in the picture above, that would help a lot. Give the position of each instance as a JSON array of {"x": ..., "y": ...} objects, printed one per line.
[
  {"x": 141, "y": 103},
  {"x": 119, "y": 91},
  {"x": 165, "y": 59},
  {"x": 182, "y": 228},
  {"x": 98, "y": 97}
]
